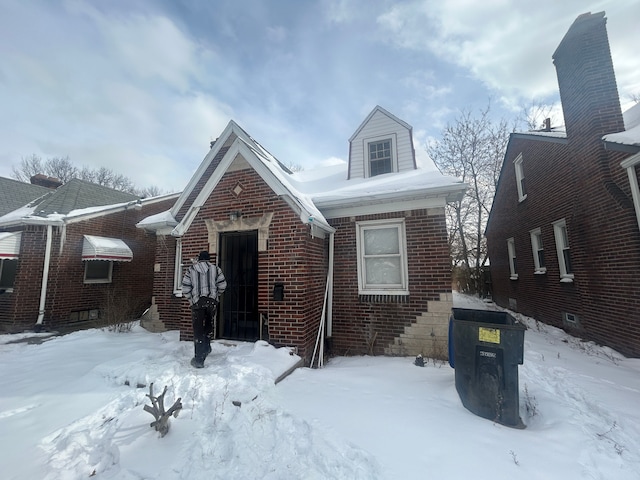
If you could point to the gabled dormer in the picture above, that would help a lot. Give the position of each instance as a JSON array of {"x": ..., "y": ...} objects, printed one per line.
[{"x": 382, "y": 144}]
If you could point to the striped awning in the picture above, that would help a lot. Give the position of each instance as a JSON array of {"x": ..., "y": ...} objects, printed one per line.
[
  {"x": 10, "y": 245},
  {"x": 105, "y": 248}
]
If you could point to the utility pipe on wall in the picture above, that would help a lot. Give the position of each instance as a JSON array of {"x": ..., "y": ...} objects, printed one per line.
[{"x": 45, "y": 275}]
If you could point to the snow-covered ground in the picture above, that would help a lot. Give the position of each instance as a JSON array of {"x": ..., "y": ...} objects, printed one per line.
[{"x": 72, "y": 407}]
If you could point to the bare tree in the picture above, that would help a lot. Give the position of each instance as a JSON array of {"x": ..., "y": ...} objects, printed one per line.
[
  {"x": 472, "y": 149},
  {"x": 64, "y": 170},
  {"x": 535, "y": 113}
]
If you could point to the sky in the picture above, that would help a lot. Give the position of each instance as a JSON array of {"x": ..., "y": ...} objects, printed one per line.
[
  {"x": 144, "y": 87},
  {"x": 73, "y": 406}
]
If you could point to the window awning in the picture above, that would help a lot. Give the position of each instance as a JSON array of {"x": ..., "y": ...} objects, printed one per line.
[
  {"x": 10, "y": 245},
  {"x": 105, "y": 248}
]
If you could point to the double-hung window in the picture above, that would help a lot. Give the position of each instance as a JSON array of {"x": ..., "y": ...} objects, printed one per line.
[
  {"x": 513, "y": 264},
  {"x": 522, "y": 191},
  {"x": 538, "y": 251},
  {"x": 380, "y": 156},
  {"x": 564, "y": 251},
  {"x": 382, "y": 258}
]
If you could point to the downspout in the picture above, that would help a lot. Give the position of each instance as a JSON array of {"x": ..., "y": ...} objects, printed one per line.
[
  {"x": 45, "y": 277},
  {"x": 330, "y": 289},
  {"x": 325, "y": 318}
]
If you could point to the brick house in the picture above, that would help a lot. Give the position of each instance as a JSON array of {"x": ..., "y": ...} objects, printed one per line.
[
  {"x": 361, "y": 247},
  {"x": 72, "y": 255},
  {"x": 563, "y": 235}
]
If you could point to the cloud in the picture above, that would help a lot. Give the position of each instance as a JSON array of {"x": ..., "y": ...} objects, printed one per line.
[{"x": 507, "y": 44}]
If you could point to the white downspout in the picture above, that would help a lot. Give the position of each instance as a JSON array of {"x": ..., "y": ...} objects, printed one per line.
[
  {"x": 330, "y": 292},
  {"x": 45, "y": 275},
  {"x": 325, "y": 318}
]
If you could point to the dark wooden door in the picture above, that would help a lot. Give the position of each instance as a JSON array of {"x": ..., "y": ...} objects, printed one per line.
[{"x": 239, "y": 262}]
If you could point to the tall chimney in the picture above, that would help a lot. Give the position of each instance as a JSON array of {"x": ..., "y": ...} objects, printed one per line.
[{"x": 588, "y": 89}]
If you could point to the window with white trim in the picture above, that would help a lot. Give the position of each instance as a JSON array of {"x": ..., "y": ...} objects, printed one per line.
[
  {"x": 382, "y": 257},
  {"x": 538, "y": 251},
  {"x": 522, "y": 191},
  {"x": 98, "y": 271},
  {"x": 563, "y": 250},
  {"x": 380, "y": 155},
  {"x": 8, "y": 269},
  {"x": 513, "y": 264}
]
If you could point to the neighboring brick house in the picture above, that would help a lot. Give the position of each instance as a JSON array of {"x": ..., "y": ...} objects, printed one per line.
[
  {"x": 361, "y": 247},
  {"x": 73, "y": 255},
  {"x": 563, "y": 235}
]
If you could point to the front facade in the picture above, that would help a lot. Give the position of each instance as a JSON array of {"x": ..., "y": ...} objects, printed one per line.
[
  {"x": 73, "y": 257},
  {"x": 354, "y": 255},
  {"x": 563, "y": 236}
]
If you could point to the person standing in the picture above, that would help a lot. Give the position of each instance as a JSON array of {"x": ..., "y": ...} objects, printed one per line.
[{"x": 202, "y": 284}]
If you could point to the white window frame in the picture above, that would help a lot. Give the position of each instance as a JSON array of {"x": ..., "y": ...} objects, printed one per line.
[
  {"x": 536, "y": 247},
  {"x": 381, "y": 138},
  {"x": 561, "y": 234},
  {"x": 3, "y": 261},
  {"x": 177, "y": 269},
  {"x": 106, "y": 279},
  {"x": 401, "y": 288},
  {"x": 522, "y": 194},
  {"x": 513, "y": 265}
]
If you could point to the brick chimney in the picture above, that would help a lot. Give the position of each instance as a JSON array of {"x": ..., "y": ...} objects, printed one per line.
[
  {"x": 588, "y": 89},
  {"x": 44, "y": 181}
]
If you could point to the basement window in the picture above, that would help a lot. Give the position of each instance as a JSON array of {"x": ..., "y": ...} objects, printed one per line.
[{"x": 570, "y": 320}]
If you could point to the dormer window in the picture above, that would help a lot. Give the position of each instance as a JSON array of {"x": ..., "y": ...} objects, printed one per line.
[{"x": 380, "y": 160}]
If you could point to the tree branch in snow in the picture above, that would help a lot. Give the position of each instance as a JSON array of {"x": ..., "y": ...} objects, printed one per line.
[{"x": 156, "y": 409}]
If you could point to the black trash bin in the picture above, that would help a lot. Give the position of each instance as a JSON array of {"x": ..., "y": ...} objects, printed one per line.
[{"x": 487, "y": 348}]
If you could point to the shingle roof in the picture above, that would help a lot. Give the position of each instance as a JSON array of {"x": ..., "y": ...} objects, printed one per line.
[
  {"x": 15, "y": 194},
  {"x": 77, "y": 194}
]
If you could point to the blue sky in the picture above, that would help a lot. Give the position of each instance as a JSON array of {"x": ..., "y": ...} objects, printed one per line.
[{"x": 143, "y": 87}]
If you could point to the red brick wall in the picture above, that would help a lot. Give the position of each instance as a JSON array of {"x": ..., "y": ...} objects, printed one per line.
[
  {"x": 586, "y": 186},
  {"x": 293, "y": 257},
  {"x": 357, "y": 321},
  {"x": 66, "y": 291}
]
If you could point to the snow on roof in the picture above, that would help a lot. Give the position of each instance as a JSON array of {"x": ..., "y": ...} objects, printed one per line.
[
  {"x": 162, "y": 218},
  {"x": 631, "y": 135}
]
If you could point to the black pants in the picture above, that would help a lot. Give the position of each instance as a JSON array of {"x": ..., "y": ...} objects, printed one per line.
[{"x": 203, "y": 316}]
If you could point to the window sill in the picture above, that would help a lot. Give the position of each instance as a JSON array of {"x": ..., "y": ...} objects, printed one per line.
[
  {"x": 540, "y": 272},
  {"x": 566, "y": 280},
  {"x": 523, "y": 198},
  {"x": 513, "y": 277}
]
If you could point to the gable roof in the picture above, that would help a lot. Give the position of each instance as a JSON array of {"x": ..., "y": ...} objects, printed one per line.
[
  {"x": 315, "y": 196},
  {"x": 15, "y": 194},
  {"x": 379, "y": 109},
  {"x": 266, "y": 165}
]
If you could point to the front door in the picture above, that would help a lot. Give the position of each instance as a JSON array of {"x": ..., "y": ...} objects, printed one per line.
[{"x": 239, "y": 263}]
